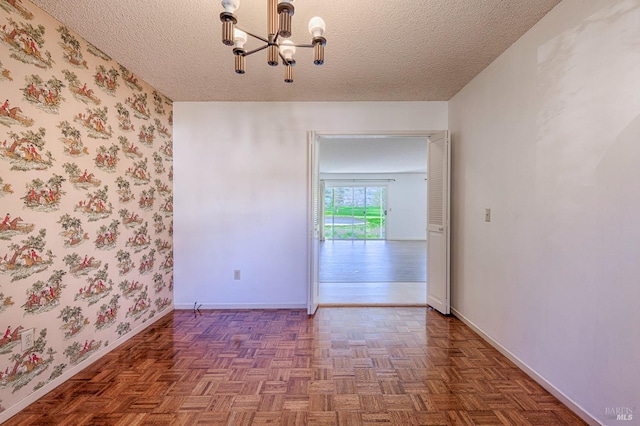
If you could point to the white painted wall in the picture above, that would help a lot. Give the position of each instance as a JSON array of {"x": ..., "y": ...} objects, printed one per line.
[
  {"x": 548, "y": 137},
  {"x": 406, "y": 200},
  {"x": 241, "y": 192}
]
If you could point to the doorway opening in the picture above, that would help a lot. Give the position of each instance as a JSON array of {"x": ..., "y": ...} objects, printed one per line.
[{"x": 372, "y": 216}]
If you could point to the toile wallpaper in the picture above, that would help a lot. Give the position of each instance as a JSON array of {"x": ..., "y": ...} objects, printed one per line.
[{"x": 86, "y": 201}]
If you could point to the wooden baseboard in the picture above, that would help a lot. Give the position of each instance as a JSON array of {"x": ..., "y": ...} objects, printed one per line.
[
  {"x": 190, "y": 306},
  {"x": 573, "y": 406},
  {"x": 33, "y": 397}
]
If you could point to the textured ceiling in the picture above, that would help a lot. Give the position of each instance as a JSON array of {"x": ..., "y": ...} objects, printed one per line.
[{"x": 412, "y": 50}]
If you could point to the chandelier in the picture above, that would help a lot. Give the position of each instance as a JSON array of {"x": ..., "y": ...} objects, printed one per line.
[{"x": 277, "y": 42}]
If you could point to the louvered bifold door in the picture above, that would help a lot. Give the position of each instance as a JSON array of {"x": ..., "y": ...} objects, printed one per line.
[
  {"x": 438, "y": 263},
  {"x": 314, "y": 223}
]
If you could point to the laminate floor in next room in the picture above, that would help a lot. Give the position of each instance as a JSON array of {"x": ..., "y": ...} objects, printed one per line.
[
  {"x": 369, "y": 261},
  {"x": 344, "y": 366},
  {"x": 373, "y": 273}
]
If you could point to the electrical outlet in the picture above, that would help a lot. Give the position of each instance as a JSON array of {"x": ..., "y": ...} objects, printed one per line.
[
  {"x": 236, "y": 274},
  {"x": 487, "y": 215},
  {"x": 27, "y": 338}
]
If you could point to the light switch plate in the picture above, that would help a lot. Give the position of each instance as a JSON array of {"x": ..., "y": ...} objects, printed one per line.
[{"x": 27, "y": 338}]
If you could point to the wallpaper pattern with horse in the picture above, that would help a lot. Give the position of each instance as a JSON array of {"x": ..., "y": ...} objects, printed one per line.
[{"x": 86, "y": 201}]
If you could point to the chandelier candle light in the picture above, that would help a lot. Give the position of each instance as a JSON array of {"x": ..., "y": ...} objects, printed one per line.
[{"x": 279, "y": 15}]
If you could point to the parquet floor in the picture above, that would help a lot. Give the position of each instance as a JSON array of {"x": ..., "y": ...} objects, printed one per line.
[{"x": 345, "y": 366}]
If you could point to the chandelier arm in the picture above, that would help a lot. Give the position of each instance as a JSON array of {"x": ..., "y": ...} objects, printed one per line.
[
  {"x": 304, "y": 45},
  {"x": 251, "y": 52},
  {"x": 254, "y": 36}
]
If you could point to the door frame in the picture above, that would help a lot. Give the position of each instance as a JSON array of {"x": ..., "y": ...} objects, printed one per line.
[{"x": 315, "y": 138}]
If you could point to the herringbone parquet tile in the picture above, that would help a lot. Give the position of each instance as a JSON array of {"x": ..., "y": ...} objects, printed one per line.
[{"x": 345, "y": 366}]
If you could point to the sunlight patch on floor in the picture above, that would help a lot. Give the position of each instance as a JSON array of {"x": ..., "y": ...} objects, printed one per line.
[{"x": 387, "y": 294}]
